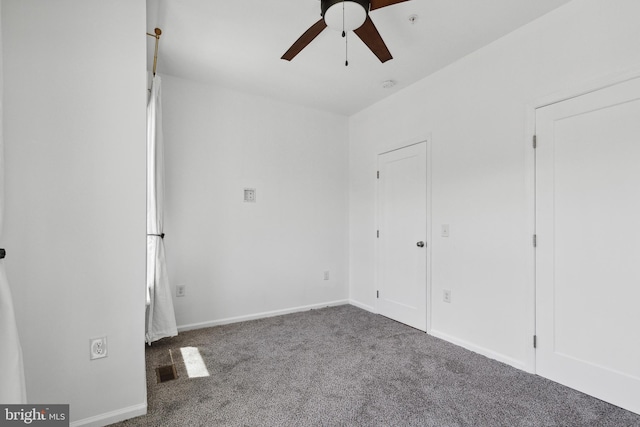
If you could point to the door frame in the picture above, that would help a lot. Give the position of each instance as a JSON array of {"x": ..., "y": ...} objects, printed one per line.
[
  {"x": 383, "y": 149},
  {"x": 530, "y": 187}
]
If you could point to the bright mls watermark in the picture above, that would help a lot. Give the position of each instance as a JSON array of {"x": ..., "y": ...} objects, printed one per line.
[{"x": 34, "y": 415}]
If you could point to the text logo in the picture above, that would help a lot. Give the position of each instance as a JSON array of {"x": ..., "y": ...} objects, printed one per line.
[{"x": 34, "y": 415}]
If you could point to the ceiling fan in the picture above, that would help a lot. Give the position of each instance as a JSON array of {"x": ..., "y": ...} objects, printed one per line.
[{"x": 347, "y": 15}]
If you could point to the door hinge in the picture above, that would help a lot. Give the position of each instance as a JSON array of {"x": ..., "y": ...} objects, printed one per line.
[
  {"x": 377, "y": 294},
  {"x": 378, "y": 234},
  {"x": 535, "y": 141},
  {"x": 535, "y": 240},
  {"x": 535, "y": 341},
  {"x": 378, "y": 174}
]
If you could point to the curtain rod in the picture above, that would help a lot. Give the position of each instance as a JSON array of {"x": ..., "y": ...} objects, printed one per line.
[{"x": 157, "y": 34}]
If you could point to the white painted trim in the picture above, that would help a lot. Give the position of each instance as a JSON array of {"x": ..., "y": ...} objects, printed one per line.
[
  {"x": 429, "y": 234},
  {"x": 480, "y": 350},
  {"x": 530, "y": 278},
  {"x": 587, "y": 87},
  {"x": 402, "y": 144},
  {"x": 530, "y": 170},
  {"x": 365, "y": 307},
  {"x": 112, "y": 417},
  {"x": 265, "y": 314}
]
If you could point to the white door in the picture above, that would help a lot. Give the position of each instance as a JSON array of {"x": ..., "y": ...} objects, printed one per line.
[
  {"x": 588, "y": 236},
  {"x": 402, "y": 228}
]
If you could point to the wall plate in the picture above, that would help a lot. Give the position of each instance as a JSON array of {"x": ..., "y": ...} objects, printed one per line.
[
  {"x": 250, "y": 195},
  {"x": 98, "y": 348}
]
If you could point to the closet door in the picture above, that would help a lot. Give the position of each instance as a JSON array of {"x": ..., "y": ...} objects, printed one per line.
[
  {"x": 402, "y": 223},
  {"x": 588, "y": 243}
]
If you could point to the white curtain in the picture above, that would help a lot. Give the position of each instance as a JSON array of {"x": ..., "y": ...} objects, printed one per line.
[
  {"x": 12, "y": 386},
  {"x": 161, "y": 319}
]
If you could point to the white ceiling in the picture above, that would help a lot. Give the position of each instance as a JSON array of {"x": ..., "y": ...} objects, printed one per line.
[{"x": 238, "y": 44}]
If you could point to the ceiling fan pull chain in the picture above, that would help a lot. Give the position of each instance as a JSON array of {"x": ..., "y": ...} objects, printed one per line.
[
  {"x": 346, "y": 51},
  {"x": 344, "y": 34},
  {"x": 346, "y": 44}
]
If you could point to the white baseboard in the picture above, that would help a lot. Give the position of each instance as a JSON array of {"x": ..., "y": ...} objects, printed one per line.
[
  {"x": 480, "y": 350},
  {"x": 228, "y": 320},
  {"x": 363, "y": 306},
  {"x": 112, "y": 417}
]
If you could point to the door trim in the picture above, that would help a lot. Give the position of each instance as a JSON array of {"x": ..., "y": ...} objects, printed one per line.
[
  {"x": 530, "y": 187},
  {"x": 383, "y": 149}
]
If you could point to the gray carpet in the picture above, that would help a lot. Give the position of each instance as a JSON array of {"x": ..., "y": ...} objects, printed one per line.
[{"x": 343, "y": 366}]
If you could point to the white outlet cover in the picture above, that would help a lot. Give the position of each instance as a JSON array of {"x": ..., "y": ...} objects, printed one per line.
[
  {"x": 98, "y": 348},
  {"x": 181, "y": 290},
  {"x": 250, "y": 195},
  {"x": 446, "y": 295}
]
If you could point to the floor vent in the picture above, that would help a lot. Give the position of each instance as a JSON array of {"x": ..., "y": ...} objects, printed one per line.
[{"x": 167, "y": 372}]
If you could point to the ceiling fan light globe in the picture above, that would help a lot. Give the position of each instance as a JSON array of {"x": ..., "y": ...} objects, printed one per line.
[{"x": 354, "y": 16}]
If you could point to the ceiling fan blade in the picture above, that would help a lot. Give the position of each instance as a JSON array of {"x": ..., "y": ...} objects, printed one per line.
[
  {"x": 305, "y": 39},
  {"x": 377, "y": 4},
  {"x": 369, "y": 34}
]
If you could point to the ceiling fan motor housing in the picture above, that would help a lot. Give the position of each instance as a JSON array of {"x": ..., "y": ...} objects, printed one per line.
[
  {"x": 326, "y": 4},
  {"x": 347, "y": 15},
  {"x": 344, "y": 14}
]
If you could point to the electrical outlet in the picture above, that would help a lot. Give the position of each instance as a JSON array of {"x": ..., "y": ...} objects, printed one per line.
[
  {"x": 250, "y": 195},
  {"x": 446, "y": 295},
  {"x": 181, "y": 290},
  {"x": 326, "y": 275},
  {"x": 98, "y": 348}
]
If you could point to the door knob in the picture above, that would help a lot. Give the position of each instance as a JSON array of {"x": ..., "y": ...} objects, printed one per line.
[{"x": 420, "y": 244}]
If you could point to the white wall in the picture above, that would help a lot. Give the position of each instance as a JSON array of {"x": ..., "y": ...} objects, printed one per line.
[
  {"x": 475, "y": 111},
  {"x": 240, "y": 259},
  {"x": 75, "y": 94}
]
